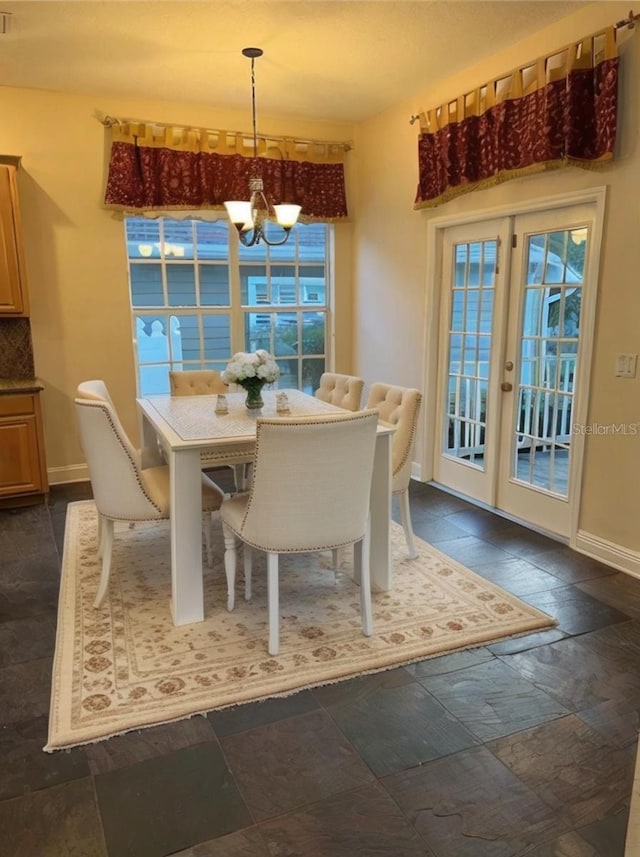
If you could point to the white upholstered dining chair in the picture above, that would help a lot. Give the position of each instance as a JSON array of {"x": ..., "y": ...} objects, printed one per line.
[
  {"x": 342, "y": 390},
  {"x": 310, "y": 492},
  {"x": 122, "y": 490},
  {"x": 399, "y": 407},
  {"x": 196, "y": 382}
]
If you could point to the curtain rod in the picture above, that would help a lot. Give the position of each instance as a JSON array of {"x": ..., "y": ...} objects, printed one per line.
[
  {"x": 110, "y": 121},
  {"x": 629, "y": 22}
]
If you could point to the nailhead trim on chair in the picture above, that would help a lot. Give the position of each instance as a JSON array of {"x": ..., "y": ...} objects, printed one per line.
[
  {"x": 392, "y": 422},
  {"x": 409, "y": 446},
  {"x": 87, "y": 404}
]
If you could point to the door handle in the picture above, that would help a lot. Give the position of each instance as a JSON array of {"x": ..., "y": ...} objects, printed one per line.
[{"x": 506, "y": 387}]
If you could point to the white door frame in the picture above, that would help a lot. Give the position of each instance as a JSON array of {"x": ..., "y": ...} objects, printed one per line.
[{"x": 435, "y": 231}]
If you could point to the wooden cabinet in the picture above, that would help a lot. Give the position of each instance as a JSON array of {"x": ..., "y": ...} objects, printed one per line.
[
  {"x": 14, "y": 295},
  {"x": 23, "y": 474}
]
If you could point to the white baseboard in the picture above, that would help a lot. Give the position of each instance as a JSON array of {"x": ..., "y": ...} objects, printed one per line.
[
  {"x": 608, "y": 552},
  {"x": 71, "y": 473}
]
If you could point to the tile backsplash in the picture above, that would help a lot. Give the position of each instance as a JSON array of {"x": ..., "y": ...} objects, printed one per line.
[{"x": 16, "y": 350}]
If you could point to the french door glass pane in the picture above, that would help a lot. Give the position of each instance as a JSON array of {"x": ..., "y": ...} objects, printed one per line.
[
  {"x": 469, "y": 342},
  {"x": 548, "y": 360}
]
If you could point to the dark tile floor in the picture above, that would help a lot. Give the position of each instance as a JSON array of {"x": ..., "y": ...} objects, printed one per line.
[{"x": 525, "y": 747}]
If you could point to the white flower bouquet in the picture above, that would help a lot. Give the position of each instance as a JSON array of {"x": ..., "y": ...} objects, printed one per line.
[
  {"x": 251, "y": 367},
  {"x": 252, "y": 372}
]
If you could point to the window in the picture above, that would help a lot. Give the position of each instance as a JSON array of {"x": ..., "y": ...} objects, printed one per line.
[{"x": 198, "y": 296}]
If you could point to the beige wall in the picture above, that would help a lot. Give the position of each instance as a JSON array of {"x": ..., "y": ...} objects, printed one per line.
[
  {"x": 75, "y": 248},
  {"x": 391, "y": 262}
]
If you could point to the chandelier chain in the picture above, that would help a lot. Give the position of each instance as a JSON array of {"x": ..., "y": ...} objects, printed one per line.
[
  {"x": 253, "y": 107},
  {"x": 251, "y": 217}
]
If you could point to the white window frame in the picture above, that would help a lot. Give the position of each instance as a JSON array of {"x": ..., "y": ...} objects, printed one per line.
[{"x": 237, "y": 257}]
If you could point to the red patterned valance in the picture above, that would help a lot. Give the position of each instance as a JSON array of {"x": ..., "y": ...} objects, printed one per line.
[
  {"x": 170, "y": 169},
  {"x": 558, "y": 111}
]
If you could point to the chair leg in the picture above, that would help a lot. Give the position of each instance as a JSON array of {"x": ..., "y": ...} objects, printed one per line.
[
  {"x": 238, "y": 476},
  {"x": 272, "y": 602},
  {"x": 207, "y": 528},
  {"x": 230, "y": 564},
  {"x": 106, "y": 540},
  {"x": 248, "y": 570},
  {"x": 361, "y": 561},
  {"x": 405, "y": 518},
  {"x": 335, "y": 558},
  {"x": 101, "y": 522}
]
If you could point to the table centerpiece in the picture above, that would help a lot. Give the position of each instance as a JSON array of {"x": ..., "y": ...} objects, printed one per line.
[{"x": 251, "y": 371}]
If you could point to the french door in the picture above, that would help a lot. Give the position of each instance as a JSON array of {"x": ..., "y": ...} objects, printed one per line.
[{"x": 517, "y": 301}]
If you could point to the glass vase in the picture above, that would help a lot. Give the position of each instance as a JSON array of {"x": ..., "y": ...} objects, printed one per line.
[{"x": 254, "y": 402}]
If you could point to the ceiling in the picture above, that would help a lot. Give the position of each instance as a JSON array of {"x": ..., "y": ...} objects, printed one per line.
[{"x": 338, "y": 60}]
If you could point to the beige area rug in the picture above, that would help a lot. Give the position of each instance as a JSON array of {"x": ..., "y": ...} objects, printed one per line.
[{"x": 126, "y": 665}]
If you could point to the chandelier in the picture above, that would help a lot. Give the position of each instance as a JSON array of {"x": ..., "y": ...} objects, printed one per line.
[{"x": 251, "y": 218}]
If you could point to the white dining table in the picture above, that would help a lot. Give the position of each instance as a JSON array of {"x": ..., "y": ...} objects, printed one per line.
[{"x": 179, "y": 428}]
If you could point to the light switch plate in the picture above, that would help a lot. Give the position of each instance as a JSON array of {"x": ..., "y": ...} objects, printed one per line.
[{"x": 626, "y": 365}]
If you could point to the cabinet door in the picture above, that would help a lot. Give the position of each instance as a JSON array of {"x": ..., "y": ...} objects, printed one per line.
[
  {"x": 13, "y": 286},
  {"x": 20, "y": 466}
]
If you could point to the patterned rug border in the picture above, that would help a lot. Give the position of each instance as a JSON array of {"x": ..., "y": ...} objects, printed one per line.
[{"x": 69, "y": 634}]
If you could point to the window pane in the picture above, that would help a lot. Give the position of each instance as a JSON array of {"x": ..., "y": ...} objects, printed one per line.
[
  {"x": 313, "y": 332},
  {"x": 475, "y": 257},
  {"x": 256, "y": 253},
  {"x": 151, "y": 339},
  {"x": 283, "y": 252},
  {"x": 313, "y": 289},
  {"x": 143, "y": 238},
  {"x": 214, "y": 285},
  {"x": 181, "y": 285},
  {"x": 189, "y": 336},
  {"x": 312, "y": 369},
  {"x": 146, "y": 285},
  {"x": 253, "y": 285},
  {"x": 283, "y": 284},
  {"x": 556, "y": 252},
  {"x": 178, "y": 239},
  {"x": 286, "y": 334},
  {"x": 154, "y": 380},
  {"x": 473, "y": 300},
  {"x": 288, "y": 373},
  {"x": 257, "y": 331},
  {"x": 312, "y": 242},
  {"x": 461, "y": 257},
  {"x": 216, "y": 334},
  {"x": 457, "y": 308},
  {"x": 213, "y": 240},
  {"x": 535, "y": 258}
]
